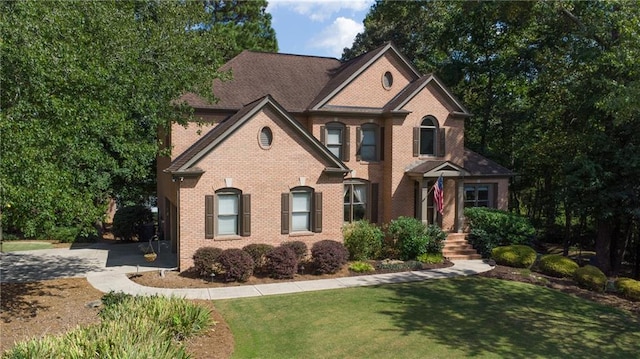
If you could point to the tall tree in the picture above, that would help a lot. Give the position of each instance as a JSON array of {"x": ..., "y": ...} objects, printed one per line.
[
  {"x": 85, "y": 87},
  {"x": 552, "y": 88}
]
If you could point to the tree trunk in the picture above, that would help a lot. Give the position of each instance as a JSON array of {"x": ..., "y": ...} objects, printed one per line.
[
  {"x": 603, "y": 246},
  {"x": 567, "y": 230}
]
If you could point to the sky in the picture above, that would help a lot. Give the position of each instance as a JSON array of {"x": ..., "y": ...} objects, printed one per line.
[{"x": 317, "y": 27}]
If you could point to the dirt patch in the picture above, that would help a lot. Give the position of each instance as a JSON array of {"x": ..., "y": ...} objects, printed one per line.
[
  {"x": 564, "y": 285},
  {"x": 50, "y": 307}
]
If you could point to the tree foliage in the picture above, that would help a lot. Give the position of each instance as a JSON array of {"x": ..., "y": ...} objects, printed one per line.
[
  {"x": 553, "y": 87},
  {"x": 85, "y": 87}
]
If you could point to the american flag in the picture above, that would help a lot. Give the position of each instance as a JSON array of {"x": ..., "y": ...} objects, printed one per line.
[{"x": 438, "y": 194}]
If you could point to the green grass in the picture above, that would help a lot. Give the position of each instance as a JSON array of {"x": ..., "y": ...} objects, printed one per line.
[
  {"x": 12, "y": 246},
  {"x": 453, "y": 318}
]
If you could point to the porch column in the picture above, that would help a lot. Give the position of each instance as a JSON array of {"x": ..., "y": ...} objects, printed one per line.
[{"x": 459, "y": 205}]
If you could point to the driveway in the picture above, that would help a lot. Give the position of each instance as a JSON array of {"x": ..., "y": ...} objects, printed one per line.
[{"x": 80, "y": 259}]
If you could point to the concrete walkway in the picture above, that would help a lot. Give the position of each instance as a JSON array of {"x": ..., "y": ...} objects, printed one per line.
[
  {"x": 106, "y": 282},
  {"x": 106, "y": 264}
]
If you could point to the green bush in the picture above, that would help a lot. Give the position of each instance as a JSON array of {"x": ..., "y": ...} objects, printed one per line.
[
  {"x": 205, "y": 259},
  {"x": 431, "y": 258},
  {"x": 363, "y": 240},
  {"x": 556, "y": 265},
  {"x": 328, "y": 256},
  {"x": 235, "y": 264},
  {"x": 282, "y": 262},
  {"x": 490, "y": 228},
  {"x": 299, "y": 248},
  {"x": 413, "y": 238},
  {"x": 394, "y": 266},
  {"x": 258, "y": 252},
  {"x": 519, "y": 256},
  {"x": 361, "y": 267},
  {"x": 131, "y": 327},
  {"x": 128, "y": 222},
  {"x": 590, "y": 277},
  {"x": 629, "y": 288}
]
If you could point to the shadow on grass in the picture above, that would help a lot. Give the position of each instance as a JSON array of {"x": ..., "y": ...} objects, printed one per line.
[{"x": 481, "y": 316}]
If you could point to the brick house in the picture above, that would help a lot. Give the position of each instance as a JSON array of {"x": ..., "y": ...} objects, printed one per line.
[{"x": 298, "y": 145}]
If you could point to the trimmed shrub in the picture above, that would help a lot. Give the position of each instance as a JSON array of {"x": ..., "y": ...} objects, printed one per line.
[
  {"x": 205, "y": 259},
  {"x": 128, "y": 222},
  {"x": 282, "y": 262},
  {"x": 413, "y": 238},
  {"x": 431, "y": 258},
  {"x": 490, "y": 228},
  {"x": 436, "y": 239},
  {"x": 328, "y": 256},
  {"x": 258, "y": 252},
  {"x": 556, "y": 265},
  {"x": 519, "y": 256},
  {"x": 361, "y": 267},
  {"x": 398, "y": 266},
  {"x": 299, "y": 248},
  {"x": 629, "y": 288},
  {"x": 590, "y": 277},
  {"x": 363, "y": 240},
  {"x": 235, "y": 264}
]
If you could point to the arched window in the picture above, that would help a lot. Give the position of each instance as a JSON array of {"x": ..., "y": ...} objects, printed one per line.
[{"x": 428, "y": 131}]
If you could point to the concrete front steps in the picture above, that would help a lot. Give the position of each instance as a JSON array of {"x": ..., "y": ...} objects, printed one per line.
[{"x": 456, "y": 247}]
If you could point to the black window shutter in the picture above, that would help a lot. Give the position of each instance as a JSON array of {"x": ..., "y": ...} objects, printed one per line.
[
  {"x": 416, "y": 141},
  {"x": 246, "y": 215},
  {"x": 374, "y": 202},
  {"x": 358, "y": 142},
  {"x": 381, "y": 144},
  {"x": 284, "y": 217},
  {"x": 317, "y": 212},
  {"x": 346, "y": 141},
  {"x": 322, "y": 135},
  {"x": 209, "y": 216},
  {"x": 441, "y": 139}
]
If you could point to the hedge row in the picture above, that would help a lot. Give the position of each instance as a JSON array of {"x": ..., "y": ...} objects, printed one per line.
[{"x": 277, "y": 262}]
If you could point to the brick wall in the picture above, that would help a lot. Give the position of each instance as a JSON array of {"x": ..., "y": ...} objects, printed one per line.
[{"x": 265, "y": 174}]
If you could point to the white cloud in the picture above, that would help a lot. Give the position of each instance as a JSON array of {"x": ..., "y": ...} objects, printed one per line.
[
  {"x": 335, "y": 37},
  {"x": 320, "y": 10}
]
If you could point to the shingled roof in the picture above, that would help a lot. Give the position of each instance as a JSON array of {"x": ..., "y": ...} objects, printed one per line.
[
  {"x": 293, "y": 80},
  {"x": 473, "y": 163},
  {"x": 186, "y": 162}
]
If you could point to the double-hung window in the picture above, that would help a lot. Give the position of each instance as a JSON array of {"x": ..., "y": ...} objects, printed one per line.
[
  {"x": 368, "y": 143},
  {"x": 335, "y": 136},
  {"x": 301, "y": 211},
  {"x": 227, "y": 218},
  {"x": 428, "y": 130},
  {"x": 227, "y": 213}
]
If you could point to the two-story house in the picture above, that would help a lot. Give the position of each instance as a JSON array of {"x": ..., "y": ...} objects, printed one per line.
[{"x": 297, "y": 146}]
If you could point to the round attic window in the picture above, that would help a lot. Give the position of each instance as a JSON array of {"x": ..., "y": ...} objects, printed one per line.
[
  {"x": 266, "y": 138},
  {"x": 387, "y": 80}
]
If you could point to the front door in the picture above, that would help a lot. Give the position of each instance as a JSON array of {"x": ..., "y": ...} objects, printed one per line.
[{"x": 425, "y": 209}]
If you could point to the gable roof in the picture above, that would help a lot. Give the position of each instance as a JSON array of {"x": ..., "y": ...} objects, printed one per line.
[
  {"x": 411, "y": 90},
  {"x": 473, "y": 164},
  {"x": 294, "y": 80},
  {"x": 354, "y": 67},
  {"x": 186, "y": 162}
]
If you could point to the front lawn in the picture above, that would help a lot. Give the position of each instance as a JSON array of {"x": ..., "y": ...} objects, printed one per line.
[{"x": 453, "y": 318}]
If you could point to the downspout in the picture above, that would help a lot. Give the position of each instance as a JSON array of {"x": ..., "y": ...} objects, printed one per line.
[{"x": 178, "y": 219}]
